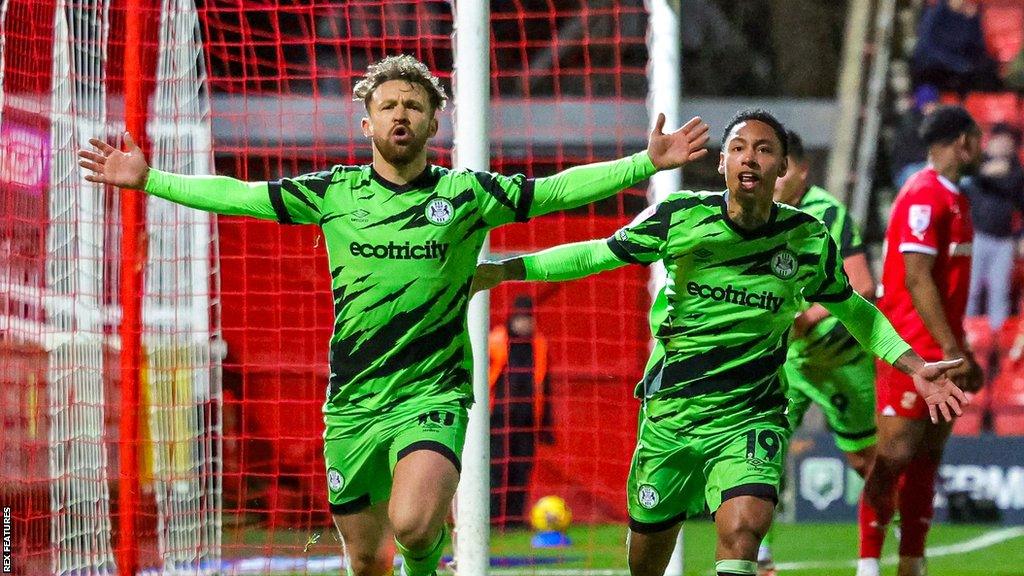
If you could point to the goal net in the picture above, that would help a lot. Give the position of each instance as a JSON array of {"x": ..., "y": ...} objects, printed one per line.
[{"x": 62, "y": 454}]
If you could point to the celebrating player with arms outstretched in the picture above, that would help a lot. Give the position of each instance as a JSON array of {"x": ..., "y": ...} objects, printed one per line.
[
  {"x": 402, "y": 238},
  {"x": 713, "y": 429}
]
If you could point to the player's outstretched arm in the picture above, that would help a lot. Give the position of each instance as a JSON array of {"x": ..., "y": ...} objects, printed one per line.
[
  {"x": 874, "y": 331},
  {"x": 591, "y": 182},
  {"x": 219, "y": 194},
  {"x": 565, "y": 262}
]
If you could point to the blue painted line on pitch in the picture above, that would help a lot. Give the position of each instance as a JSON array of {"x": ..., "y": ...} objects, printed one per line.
[{"x": 332, "y": 564}]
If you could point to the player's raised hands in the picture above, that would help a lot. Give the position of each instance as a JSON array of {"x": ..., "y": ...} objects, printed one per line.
[
  {"x": 674, "y": 149},
  {"x": 111, "y": 166},
  {"x": 939, "y": 392}
]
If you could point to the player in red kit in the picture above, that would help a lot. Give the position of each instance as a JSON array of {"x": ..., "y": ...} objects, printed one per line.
[{"x": 924, "y": 282}]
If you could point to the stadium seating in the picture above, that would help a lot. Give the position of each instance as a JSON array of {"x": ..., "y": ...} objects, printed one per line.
[
  {"x": 990, "y": 108},
  {"x": 1002, "y": 22},
  {"x": 982, "y": 342},
  {"x": 1007, "y": 393}
]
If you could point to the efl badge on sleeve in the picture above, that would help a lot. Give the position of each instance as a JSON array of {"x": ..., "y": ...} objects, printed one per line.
[{"x": 919, "y": 218}]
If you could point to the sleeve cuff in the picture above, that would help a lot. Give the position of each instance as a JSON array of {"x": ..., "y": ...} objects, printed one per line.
[
  {"x": 897, "y": 351},
  {"x": 530, "y": 270},
  {"x": 853, "y": 251},
  {"x": 155, "y": 179},
  {"x": 621, "y": 253},
  {"x": 642, "y": 160}
]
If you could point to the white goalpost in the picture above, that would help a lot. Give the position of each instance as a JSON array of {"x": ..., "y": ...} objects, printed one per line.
[
  {"x": 664, "y": 85},
  {"x": 472, "y": 150}
]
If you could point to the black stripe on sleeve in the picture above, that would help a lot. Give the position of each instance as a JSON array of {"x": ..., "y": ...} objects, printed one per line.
[
  {"x": 274, "y": 190},
  {"x": 829, "y": 217},
  {"x": 846, "y": 236},
  {"x": 843, "y": 295},
  {"x": 491, "y": 185},
  {"x": 855, "y": 435},
  {"x": 830, "y": 261},
  {"x": 621, "y": 253},
  {"x": 525, "y": 201}
]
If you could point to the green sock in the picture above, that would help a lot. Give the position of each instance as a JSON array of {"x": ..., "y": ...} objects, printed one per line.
[
  {"x": 736, "y": 568},
  {"x": 422, "y": 563}
]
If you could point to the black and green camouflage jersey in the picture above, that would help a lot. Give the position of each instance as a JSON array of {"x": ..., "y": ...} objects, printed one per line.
[
  {"x": 829, "y": 343},
  {"x": 723, "y": 318},
  {"x": 401, "y": 259}
]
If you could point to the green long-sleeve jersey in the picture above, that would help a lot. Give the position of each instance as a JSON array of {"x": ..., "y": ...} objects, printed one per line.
[
  {"x": 730, "y": 296},
  {"x": 401, "y": 259},
  {"x": 829, "y": 343}
]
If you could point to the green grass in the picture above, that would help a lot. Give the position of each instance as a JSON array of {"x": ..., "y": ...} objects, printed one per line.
[{"x": 603, "y": 548}]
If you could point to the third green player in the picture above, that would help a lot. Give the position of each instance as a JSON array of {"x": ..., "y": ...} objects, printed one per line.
[
  {"x": 713, "y": 428},
  {"x": 825, "y": 364}
]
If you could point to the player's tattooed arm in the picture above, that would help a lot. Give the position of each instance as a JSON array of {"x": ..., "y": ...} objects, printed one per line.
[{"x": 933, "y": 383}]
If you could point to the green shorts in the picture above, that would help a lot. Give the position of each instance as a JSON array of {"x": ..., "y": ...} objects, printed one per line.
[
  {"x": 678, "y": 476},
  {"x": 361, "y": 450},
  {"x": 845, "y": 393}
]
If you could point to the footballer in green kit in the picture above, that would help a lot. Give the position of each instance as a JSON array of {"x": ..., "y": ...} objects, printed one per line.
[
  {"x": 403, "y": 237},
  {"x": 825, "y": 364},
  {"x": 713, "y": 427}
]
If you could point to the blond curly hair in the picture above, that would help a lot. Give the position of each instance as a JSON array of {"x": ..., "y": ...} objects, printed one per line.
[{"x": 402, "y": 67}]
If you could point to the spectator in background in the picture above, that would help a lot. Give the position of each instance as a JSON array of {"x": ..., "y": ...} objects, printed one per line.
[
  {"x": 996, "y": 194},
  {"x": 909, "y": 153},
  {"x": 950, "y": 52},
  {"x": 520, "y": 412}
]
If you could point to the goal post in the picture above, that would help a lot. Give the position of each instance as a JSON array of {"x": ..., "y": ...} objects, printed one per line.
[
  {"x": 664, "y": 76},
  {"x": 471, "y": 87}
]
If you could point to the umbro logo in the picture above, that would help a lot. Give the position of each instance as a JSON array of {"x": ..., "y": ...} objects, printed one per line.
[
  {"x": 703, "y": 254},
  {"x": 359, "y": 215}
]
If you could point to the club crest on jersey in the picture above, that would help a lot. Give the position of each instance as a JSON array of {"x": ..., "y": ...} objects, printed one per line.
[
  {"x": 648, "y": 496},
  {"x": 439, "y": 211},
  {"x": 783, "y": 264},
  {"x": 919, "y": 217},
  {"x": 335, "y": 481}
]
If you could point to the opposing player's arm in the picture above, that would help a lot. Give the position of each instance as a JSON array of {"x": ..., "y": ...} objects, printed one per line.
[
  {"x": 288, "y": 201},
  {"x": 931, "y": 379},
  {"x": 927, "y": 301}
]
